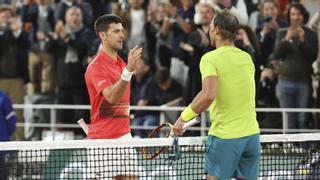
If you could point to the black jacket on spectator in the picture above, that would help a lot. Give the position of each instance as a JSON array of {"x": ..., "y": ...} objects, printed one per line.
[
  {"x": 100, "y": 7},
  {"x": 267, "y": 42},
  {"x": 194, "y": 81},
  {"x": 61, "y": 8},
  {"x": 30, "y": 13},
  {"x": 138, "y": 91},
  {"x": 178, "y": 34},
  {"x": 22, "y": 45},
  {"x": 158, "y": 97},
  {"x": 72, "y": 74},
  {"x": 296, "y": 57}
]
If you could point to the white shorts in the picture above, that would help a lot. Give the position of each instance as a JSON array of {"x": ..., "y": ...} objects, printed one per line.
[{"x": 108, "y": 163}]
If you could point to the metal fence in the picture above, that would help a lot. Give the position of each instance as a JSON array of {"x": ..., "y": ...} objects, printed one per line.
[{"x": 53, "y": 125}]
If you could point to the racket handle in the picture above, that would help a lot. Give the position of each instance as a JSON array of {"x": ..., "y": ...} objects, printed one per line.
[
  {"x": 191, "y": 122},
  {"x": 83, "y": 125}
]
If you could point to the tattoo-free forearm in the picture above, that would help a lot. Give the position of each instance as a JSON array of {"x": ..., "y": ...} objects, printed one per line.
[
  {"x": 114, "y": 93},
  {"x": 201, "y": 102},
  {"x": 206, "y": 96}
]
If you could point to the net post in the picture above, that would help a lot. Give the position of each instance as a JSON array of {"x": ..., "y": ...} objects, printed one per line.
[
  {"x": 53, "y": 122},
  {"x": 203, "y": 123},
  {"x": 284, "y": 122}
]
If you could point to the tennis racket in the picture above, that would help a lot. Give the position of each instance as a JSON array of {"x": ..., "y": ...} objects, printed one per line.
[{"x": 163, "y": 130}]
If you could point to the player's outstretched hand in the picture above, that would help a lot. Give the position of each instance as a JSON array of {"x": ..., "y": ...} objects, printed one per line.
[{"x": 133, "y": 57}]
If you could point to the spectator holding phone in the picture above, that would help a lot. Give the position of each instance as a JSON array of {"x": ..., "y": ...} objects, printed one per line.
[
  {"x": 267, "y": 29},
  {"x": 295, "y": 50}
]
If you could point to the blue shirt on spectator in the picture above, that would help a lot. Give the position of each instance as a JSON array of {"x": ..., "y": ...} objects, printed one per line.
[{"x": 7, "y": 118}]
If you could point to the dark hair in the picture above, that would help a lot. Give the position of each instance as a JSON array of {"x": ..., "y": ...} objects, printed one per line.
[
  {"x": 301, "y": 8},
  {"x": 162, "y": 75},
  {"x": 227, "y": 23},
  {"x": 175, "y": 3},
  {"x": 102, "y": 23},
  {"x": 252, "y": 37}
]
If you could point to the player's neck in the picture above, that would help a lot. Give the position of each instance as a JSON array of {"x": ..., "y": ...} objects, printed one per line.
[
  {"x": 224, "y": 42},
  {"x": 111, "y": 52}
]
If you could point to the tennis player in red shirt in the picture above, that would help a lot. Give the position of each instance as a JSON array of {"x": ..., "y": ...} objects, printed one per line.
[{"x": 108, "y": 83}]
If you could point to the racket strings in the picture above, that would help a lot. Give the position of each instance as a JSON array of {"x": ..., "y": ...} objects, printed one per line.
[{"x": 164, "y": 130}]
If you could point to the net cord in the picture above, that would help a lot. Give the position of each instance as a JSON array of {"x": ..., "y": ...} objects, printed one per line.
[{"x": 102, "y": 143}]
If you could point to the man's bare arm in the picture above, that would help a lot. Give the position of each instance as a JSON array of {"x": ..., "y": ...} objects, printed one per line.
[
  {"x": 114, "y": 93},
  {"x": 206, "y": 96},
  {"x": 201, "y": 102}
]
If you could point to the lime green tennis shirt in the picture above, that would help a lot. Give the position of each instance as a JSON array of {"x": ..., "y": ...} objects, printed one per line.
[{"x": 232, "y": 112}]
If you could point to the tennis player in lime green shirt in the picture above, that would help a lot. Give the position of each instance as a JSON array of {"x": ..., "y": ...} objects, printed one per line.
[{"x": 228, "y": 90}]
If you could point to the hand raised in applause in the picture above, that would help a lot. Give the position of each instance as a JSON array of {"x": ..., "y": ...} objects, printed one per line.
[
  {"x": 133, "y": 57},
  {"x": 300, "y": 33},
  {"x": 291, "y": 32}
]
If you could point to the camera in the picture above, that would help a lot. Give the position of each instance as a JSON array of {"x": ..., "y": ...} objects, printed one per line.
[
  {"x": 268, "y": 19},
  {"x": 270, "y": 65}
]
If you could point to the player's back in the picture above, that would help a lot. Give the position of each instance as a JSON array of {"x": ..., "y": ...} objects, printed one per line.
[{"x": 233, "y": 111}]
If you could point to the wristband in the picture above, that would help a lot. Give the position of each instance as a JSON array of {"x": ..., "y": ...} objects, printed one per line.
[
  {"x": 126, "y": 75},
  {"x": 187, "y": 114}
]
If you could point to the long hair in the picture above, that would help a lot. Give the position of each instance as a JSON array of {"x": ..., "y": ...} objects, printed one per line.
[
  {"x": 301, "y": 8},
  {"x": 252, "y": 37}
]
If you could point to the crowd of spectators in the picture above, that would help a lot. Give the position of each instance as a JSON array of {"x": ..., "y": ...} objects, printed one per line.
[{"x": 46, "y": 45}]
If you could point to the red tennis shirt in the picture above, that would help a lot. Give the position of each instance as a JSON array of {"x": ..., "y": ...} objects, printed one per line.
[{"x": 108, "y": 121}]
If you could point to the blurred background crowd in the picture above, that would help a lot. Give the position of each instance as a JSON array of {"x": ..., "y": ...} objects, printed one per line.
[{"x": 46, "y": 45}]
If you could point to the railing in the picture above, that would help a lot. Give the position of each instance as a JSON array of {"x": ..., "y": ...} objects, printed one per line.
[{"x": 203, "y": 127}]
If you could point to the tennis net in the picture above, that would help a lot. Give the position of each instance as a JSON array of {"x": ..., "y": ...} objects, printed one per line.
[{"x": 291, "y": 156}]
